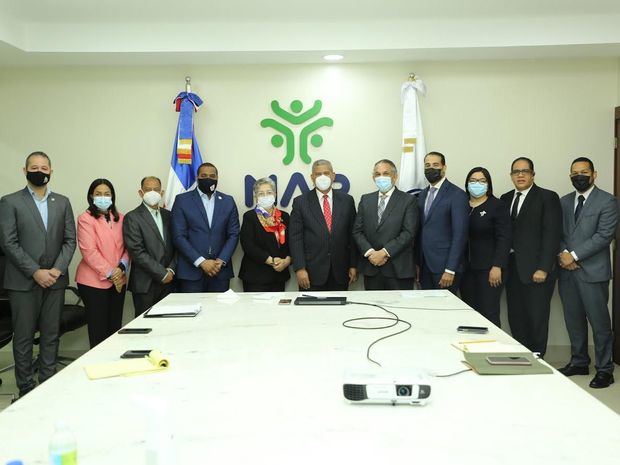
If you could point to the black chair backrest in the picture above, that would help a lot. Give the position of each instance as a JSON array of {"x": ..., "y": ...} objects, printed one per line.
[{"x": 6, "y": 328}]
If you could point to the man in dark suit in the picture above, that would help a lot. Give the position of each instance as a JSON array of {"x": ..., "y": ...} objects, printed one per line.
[
  {"x": 37, "y": 233},
  {"x": 444, "y": 223},
  {"x": 205, "y": 231},
  {"x": 147, "y": 233},
  {"x": 321, "y": 244},
  {"x": 589, "y": 219},
  {"x": 536, "y": 230},
  {"x": 384, "y": 231}
]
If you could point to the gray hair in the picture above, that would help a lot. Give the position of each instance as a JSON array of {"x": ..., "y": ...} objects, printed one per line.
[
  {"x": 260, "y": 182},
  {"x": 320, "y": 162},
  {"x": 388, "y": 162}
]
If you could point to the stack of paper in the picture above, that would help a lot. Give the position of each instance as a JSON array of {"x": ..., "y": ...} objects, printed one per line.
[{"x": 152, "y": 363}]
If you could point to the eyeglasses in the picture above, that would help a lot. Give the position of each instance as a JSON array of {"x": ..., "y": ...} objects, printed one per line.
[
  {"x": 524, "y": 172},
  {"x": 481, "y": 180}
]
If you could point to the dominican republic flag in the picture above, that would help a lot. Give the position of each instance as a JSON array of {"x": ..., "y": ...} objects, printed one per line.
[
  {"x": 185, "y": 152},
  {"x": 411, "y": 177}
]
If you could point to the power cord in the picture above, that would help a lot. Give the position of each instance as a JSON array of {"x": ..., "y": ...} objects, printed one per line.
[{"x": 395, "y": 319}]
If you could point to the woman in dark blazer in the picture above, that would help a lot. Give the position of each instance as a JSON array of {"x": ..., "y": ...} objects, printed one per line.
[
  {"x": 264, "y": 239},
  {"x": 488, "y": 246}
]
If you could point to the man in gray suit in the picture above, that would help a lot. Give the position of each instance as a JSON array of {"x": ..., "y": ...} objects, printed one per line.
[
  {"x": 590, "y": 216},
  {"x": 148, "y": 238},
  {"x": 384, "y": 231},
  {"x": 37, "y": 233}
]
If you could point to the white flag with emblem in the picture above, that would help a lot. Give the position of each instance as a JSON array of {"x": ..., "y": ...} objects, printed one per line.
[{"x": 411, "y": 178}]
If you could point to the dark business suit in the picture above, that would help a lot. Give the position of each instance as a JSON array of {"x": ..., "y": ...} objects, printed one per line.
[
  {"x": 194, "y": 237},
  {"x": 29, "y": 246},
  {"x": 258, "y": 245},
  {"x": 488, "y": 245},
  {"x": 585, "y": 291},
  {"x": 326, "y": 256},
  {"x": 151, "y": 256},
  {"x": 536, "y": 233},
  {"x": 395, "y": 232},
  {"x": 443, "y": 235}
]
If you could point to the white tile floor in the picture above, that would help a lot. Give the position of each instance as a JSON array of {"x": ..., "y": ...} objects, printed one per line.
[{"x": 609, "y": 396}]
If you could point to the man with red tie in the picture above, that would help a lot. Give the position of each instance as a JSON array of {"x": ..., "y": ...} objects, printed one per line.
[{"x": 321, "y": 243}]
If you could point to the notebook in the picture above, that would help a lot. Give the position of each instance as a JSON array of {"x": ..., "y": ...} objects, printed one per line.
[{"x": 163, "y": 310}]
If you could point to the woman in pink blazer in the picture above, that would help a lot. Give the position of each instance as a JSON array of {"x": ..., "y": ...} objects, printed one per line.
[{"x": 101, "y": 275}]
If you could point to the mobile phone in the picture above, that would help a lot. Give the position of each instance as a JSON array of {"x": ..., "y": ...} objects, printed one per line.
[
  {"x": 507, "y": 360},
  {"x": 136, "y": 354},
  {"x": 473, "y": 329},
  {"x": 285, "y": 301},
  {"x": 135, "y": 330}
]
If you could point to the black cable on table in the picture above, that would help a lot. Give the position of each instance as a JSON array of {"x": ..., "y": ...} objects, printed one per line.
[{"x": 395, "y": 319}]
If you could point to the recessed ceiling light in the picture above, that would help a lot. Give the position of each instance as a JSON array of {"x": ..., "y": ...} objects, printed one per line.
[{"x": 333, "y": 57}]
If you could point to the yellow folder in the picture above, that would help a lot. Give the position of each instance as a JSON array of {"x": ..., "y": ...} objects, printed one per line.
[{"x": 153, "y": 362}]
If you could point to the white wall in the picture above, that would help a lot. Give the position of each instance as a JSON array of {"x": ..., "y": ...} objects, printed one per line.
[{"x": 119, "y": 122}]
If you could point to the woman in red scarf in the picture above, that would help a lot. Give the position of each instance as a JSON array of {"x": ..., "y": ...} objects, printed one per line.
[{"x": 264, "y": 239}]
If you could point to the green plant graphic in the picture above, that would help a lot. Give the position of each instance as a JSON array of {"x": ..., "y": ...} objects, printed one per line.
[{"x": 296, "y": 117}]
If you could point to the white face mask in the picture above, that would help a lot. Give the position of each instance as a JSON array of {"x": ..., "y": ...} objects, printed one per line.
[
  {"x": 151, "y": 198},
  {"x": 323, "y": 182},
  {"x": 267, "y": 201}
]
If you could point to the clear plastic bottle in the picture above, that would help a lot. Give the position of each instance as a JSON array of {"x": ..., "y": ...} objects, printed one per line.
[{"x": 63, "y": 447}]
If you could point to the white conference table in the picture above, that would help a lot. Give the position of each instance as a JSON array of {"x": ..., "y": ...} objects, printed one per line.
[{"x": 252, "y": 381}]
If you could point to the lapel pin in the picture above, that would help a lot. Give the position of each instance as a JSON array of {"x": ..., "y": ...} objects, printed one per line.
[
  {"x": 52, "y": 199},
  {"x": 219, "y": 198},
  {"x": 482, "y": 213}
]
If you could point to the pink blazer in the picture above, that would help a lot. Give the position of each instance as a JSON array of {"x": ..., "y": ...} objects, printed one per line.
[{"x": 102, "y": 247}]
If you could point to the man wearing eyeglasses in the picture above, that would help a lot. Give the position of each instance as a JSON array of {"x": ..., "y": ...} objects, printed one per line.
[{"x": 536, "y": 231}]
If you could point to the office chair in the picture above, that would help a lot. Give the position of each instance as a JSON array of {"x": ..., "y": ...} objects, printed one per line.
[{"x": 6, "y": 326}]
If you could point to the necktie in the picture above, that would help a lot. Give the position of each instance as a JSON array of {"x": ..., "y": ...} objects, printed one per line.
[
  {"x": 429, "y": 200},
  {"x": 515, "y": 207},
  {"x": 327, "y": 212},
  {"x": 158, "y": 223},
  {"x": 580, "y": 201},
  {"x": 381, "y": 207}
]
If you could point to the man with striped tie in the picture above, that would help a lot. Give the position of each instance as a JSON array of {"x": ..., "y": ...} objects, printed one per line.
[
  {"x": 384, "y": 232},
  {"x": 324, "y": 256}
]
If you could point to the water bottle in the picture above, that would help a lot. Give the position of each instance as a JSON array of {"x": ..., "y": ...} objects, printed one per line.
[{"x": 63, "y": 448}]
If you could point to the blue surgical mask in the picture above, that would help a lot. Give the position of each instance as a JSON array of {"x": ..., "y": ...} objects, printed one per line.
[
  {"x": 384, "y": 183},
  {"x": 267, "y": 201},
  {"x": 102, "y": 203},
  {"x": 477, "y": 189}
]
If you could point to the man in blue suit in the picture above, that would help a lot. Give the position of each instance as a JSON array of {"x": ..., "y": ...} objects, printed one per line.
[
  {"x": 444, "y": 220},
  {"x": 205, "y": 231}
]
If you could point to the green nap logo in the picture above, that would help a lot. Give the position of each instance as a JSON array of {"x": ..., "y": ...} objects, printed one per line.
[{"x": 296, "y": 117}]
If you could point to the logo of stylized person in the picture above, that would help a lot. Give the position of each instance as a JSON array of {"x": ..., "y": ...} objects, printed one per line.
[{"x": 296, "y": 117}]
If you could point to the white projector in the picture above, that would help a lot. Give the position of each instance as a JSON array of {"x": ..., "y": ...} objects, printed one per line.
[{"x": 367, "y": 388}]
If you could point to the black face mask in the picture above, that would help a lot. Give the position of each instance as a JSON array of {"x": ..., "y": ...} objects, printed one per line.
[
  {"x": 581, "y": 182},
  {"x": 432, "y": 175},
  {"x": 207, "y": 185},
  {"x": 37, "y": 178}
]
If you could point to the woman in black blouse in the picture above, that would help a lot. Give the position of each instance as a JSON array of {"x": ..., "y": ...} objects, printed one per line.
[
  {"x": 488, "y": 246},
  {"x": 264, "y": 239}
]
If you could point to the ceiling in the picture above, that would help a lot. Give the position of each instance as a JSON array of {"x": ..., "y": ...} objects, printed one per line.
[{"x": 162, "y": 32}]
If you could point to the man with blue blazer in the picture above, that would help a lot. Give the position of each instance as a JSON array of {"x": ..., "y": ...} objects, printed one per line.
[
  {"x": 444, "y": 225},
  {"x": 590, "y": 217},
  {"x": 205, "y": 231}
]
